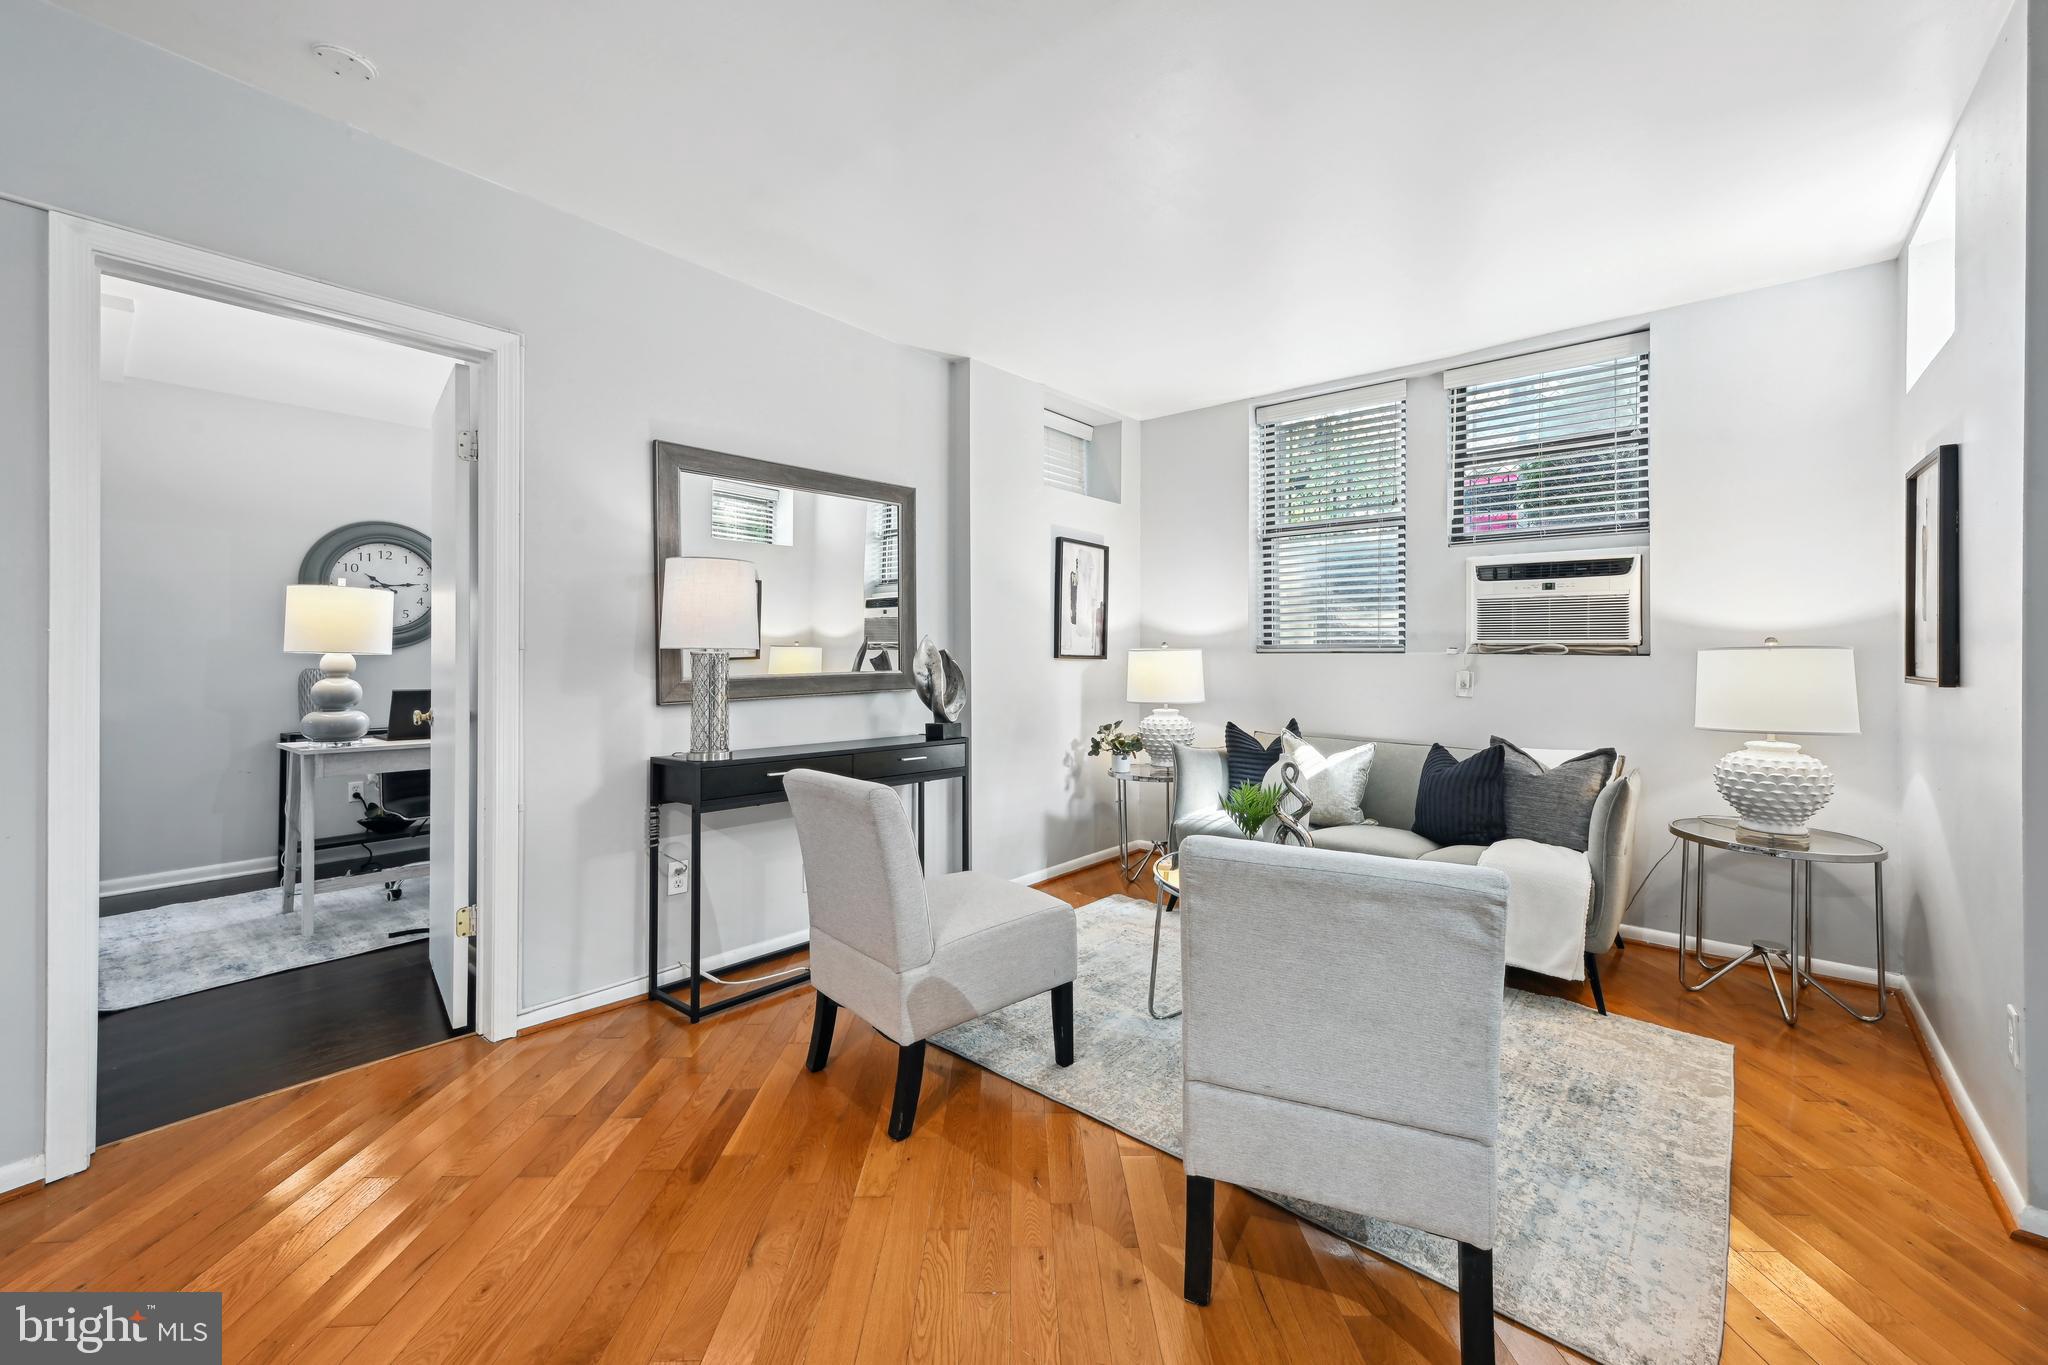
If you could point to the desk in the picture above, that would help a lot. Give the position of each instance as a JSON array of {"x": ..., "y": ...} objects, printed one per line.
[
  {"x": 753, "y": 777},
  {"x": 309, "y": 764}
]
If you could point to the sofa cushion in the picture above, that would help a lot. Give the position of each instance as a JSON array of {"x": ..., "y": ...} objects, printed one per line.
[
  {"x": 1334, "y": 783},
  {"x": 1462, "y": 803},
  {"x": 1384, "y": 840},
  {"x": 1468, "y": 854},
  {"x": 1249, "y": 759},
  {"x": 1207, "y": 822},
  {"x": 1554, "y": 804}
]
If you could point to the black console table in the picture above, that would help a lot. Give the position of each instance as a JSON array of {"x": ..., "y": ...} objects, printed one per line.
[{"x": 753, "y": 777}]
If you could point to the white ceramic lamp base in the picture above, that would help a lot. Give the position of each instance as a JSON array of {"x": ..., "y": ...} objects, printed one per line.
[
  {"x": 1774, "y": 787},
  {"x": 1163, "y": 729},
  {"x": 336, "y": 721}
]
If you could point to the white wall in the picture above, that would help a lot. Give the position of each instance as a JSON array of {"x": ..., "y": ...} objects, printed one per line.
[
  {"x": 1960, "y": 764},
  {"x": 623, "y": 345},
  {"x": 208, "y": 504},
  {"x": 1774, "y": 511},
  {"x": 1038, "y": 801}
]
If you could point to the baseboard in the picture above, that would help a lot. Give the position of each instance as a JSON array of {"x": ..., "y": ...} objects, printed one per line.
[
  {"x": 635, "y": 987},
  {"x": 1833, "y": 971},
  {"x": 16, "y": 1175},
  {"x": 1100, "y": 855},
  {"x": 184, "y": 876}
]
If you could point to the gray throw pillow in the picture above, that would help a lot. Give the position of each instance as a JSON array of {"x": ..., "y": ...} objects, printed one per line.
[{"x": 1554, "y": 805}]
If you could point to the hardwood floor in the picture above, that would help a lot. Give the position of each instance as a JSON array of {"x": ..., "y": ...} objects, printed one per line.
[{"x": 628, "y": 1187}]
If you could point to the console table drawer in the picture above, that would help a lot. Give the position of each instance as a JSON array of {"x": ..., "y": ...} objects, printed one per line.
[
  {"x": 727, "y": 780},
  {"x": 893, "y": 763}
]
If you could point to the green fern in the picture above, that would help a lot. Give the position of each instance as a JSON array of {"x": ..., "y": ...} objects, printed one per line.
[{"x": 1251, "y": 806}]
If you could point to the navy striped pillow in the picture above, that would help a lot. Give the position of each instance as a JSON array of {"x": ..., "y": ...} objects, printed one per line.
[
  {"x": 1248, "y": 759},
  {"x": 1463, "y": 803}
]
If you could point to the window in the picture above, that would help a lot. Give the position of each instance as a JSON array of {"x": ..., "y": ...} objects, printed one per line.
[
  {"x": 1551, "y": 444},
  {"x": 1931, "y": 277},
  {"x": 743, "y": 512},
  {"x": 1068, "y": 445},
  {"x": 1330, "y": 480},
  {"x": 879, "y": 568}
]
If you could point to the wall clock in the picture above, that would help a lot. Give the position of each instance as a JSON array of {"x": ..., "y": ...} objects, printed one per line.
[{"x": 380, "y": 554}]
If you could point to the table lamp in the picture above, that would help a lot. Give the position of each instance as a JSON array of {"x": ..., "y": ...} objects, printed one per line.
[
  {"x": 1162, "y": 677},
  {"x": 1776, "y": 690},
  {"x": 710, "y": 608},
  {"x": 337, "y": 623},
  {"x": 796, "y": 658}
]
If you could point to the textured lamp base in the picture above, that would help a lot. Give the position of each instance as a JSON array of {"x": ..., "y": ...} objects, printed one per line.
[
  {"x": 709, "y": 736},
  {"x": 335, "y": 694},
  {"x": 1163, "y": 729},
  {"x": 1774, "y": 788}
]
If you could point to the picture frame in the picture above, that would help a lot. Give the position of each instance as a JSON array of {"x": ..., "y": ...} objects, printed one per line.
[
  {"x": 1080, "y": 599},
  {"x": 1934, "y": 555}
]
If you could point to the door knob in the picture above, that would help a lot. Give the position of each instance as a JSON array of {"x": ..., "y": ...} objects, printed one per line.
[{"x": 423, "y": 718}]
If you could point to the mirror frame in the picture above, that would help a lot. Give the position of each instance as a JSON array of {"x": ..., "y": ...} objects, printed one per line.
[{"x": 671, "y": 461}]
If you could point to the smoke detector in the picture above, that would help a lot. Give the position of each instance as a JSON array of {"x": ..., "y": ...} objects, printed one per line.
[{"x": 344, "y": 63}]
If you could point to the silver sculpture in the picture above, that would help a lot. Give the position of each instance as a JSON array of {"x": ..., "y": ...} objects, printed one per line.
[
  {"x": 1293, "y": 823},
  {"x": 941, "y": 684}
]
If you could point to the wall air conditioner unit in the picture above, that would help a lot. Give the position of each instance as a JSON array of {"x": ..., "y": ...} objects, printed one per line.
[{"x": 1553, "y": 604}]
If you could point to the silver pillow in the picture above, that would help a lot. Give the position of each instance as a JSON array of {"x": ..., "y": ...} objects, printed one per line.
[{"x": 1334, "y": 784}]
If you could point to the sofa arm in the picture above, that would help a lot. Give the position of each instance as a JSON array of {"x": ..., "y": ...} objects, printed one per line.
[
  {"x": 1611, "y": 849},
  {"x": 1199, "y": 779}
]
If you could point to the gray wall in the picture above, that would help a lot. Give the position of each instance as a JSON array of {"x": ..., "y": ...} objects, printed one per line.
[
  {"x": 1774, "y": 510},
  {"x": 208, "y": 503},
  {"x": 24, "y": 588},
  {"x": 623, "y": 345}
]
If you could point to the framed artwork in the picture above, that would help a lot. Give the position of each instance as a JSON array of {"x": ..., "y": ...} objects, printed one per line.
[
  {"x": 1934, "y": 554},
  {"x": 1080, "y": 599}
]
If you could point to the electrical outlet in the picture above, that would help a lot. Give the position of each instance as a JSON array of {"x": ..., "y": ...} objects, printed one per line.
[
  {"x": 2012, "y": 1033},
  {"x": 355, "y": 790},
  {"x": 1464, "y": 682},
  {"x": 678, "y": 876}
]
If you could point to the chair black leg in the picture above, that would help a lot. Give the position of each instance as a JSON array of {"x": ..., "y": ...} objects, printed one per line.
[
  {"x": 1475, "y": 1306},
  {"x": 1201, "y": 1249},
  {"x": 824, "y": 1014},
  {"x": 1593, "y": 975},
  {"x": 909, "y": 1078},
  {"x": 1063, "y": 1024}
]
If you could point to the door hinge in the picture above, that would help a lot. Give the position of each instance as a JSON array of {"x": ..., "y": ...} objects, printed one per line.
[
  {"x": 465, "y": 921},
  {"x": 465, "y": 445}
]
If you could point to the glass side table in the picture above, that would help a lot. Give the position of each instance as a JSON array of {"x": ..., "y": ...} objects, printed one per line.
[
  {"x": 1140, "y": 772},
  {"x": 1701, "y": 833},
  {"x": 1165, "y": 896}
]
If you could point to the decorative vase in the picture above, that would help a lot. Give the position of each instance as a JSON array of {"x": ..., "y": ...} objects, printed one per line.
[
  {"x": 1163, "y": 729},
  {"x": 1775, "y": 788}
]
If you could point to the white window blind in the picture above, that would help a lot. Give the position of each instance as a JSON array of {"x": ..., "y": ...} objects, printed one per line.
[
  {"x": 885, "y": 540},
  {"x": 1330, "y": 478},
  {"x": 1551, "y": 444},
  {"x": 740, "y": 512},
  {"x": 1065, "y": 462}
]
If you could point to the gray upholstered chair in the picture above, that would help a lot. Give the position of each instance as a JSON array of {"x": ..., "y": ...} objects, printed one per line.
[
  {"x": 1341, "y": 1024},
  {"x": 910, "y": 956}
]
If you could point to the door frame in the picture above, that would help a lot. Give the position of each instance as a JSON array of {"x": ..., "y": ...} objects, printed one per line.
[{"x": 80, "y": 249}]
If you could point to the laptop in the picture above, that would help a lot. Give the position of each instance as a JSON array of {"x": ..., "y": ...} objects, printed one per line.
[{"x": 404, "y": 704}]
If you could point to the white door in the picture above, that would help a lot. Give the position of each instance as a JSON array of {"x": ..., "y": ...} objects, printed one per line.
[{"x": 453, "y": 678}]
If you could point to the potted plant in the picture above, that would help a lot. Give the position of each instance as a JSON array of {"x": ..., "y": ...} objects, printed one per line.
[
  {"x": 1252, "y": 806},
  {"x": 1118, "y": 743}
]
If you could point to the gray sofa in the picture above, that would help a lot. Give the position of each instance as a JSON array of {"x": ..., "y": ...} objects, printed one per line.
[{"x": 1201, "y": 775}]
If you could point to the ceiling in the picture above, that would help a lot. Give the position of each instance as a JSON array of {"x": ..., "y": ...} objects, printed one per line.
[
  {"x": 1156, "y": 205},
  {"x": 173, "y": 338}
]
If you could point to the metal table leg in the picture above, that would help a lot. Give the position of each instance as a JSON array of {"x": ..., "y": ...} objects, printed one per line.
[
  {"x": 1152, "y": 990},
  {"x": 1883, "y": 988}
]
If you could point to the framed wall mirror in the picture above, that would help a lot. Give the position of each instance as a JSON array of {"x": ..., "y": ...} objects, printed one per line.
[{"x": 835, "y": 562}]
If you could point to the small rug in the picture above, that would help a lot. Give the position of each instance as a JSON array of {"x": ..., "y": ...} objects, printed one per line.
[
  {"x": 1615, "y": 1142},
  {"x": 150, "y": 955}
]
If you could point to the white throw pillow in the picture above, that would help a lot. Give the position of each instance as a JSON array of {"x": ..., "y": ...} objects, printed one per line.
[{"x": 1335, "y": 784}]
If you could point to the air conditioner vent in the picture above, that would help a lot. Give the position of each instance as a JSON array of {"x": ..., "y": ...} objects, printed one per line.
[{"x": 1534, "y": 601}]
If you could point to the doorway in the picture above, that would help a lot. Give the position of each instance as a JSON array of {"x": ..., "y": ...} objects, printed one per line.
[{"x": 281, "y": 901}]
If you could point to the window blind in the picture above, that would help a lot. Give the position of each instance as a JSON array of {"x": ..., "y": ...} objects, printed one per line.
[
  {"x": 883, "y": 549},
  {"x": 740, "y": 513},
  {"x": 1064, "y": 464},
  {"x": 1551, "y": 444},
  {"x": 1330, "y": 478}
]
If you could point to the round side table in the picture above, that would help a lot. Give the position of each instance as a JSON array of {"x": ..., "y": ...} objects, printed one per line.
[
  {"x": 1700, "y": 833},
  {"x": 1140, "y": 772},
  {"x": 1165, "y": 896}
]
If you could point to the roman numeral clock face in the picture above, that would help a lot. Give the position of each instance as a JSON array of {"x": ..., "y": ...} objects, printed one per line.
[{"x": 385, "y": 556}]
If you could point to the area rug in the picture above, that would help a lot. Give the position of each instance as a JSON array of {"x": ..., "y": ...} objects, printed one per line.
[
  {"x": 149, "y": 955},
  {"x": 1615, "y": 1143}
]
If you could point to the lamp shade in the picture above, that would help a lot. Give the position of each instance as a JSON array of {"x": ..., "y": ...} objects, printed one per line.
[
  {"x": 1778, "y": 690},
  {"x": 709, "y": 604},
  {"x": 323, "y": 618},
  {"x": 1164, "y": 677},
  {"x": 796, "y": 659}
]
